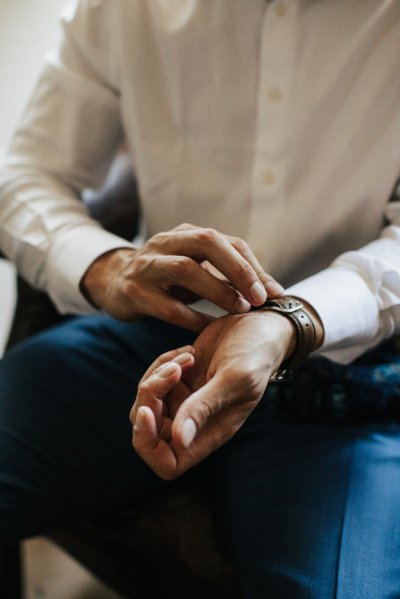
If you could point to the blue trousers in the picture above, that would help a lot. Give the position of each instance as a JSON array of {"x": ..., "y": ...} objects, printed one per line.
[{"x": 307, "y": 494}]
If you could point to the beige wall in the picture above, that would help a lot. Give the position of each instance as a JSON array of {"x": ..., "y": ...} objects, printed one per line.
[{"x": 28, "y": 28}]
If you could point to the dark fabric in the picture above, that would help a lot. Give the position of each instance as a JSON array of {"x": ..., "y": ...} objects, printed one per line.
[
  {"x": 65, "y": 435},
  {"x": 308, "y": 503},
  {"x": 367, "y": 389},
  {"x": 312, "y": 510}
]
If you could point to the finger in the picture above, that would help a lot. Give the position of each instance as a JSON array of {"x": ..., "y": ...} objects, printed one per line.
[
  {"x": 153, "y": 390},
  {"x": 155, "y": 385},
  {"x": 208, "y": 244},
  {"x": 188, "y": 273},
  {"x": 213, "y": 271},
  {"x": 145, "y": 429},
  {"x": 164, "y": 307},
  {"x": 165, "y": 430},
  {"x": 176, "y": 397},
  {"x": 273, "y": 288},
  {"x": 156, "y": 452},
  {"x": 168, "y": 356},
  {"x": 200, "y": 408}
]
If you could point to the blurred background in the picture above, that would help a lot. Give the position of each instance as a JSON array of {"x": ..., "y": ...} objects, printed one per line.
[{"x": 28, "y": 29}]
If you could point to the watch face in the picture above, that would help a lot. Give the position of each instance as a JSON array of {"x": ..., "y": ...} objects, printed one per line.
[{"x": 284, "y": 304}]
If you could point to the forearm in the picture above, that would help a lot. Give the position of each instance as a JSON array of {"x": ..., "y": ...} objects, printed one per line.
[
  {"x": 65, "y": 143},
  {"x": 47, "y": 233}
]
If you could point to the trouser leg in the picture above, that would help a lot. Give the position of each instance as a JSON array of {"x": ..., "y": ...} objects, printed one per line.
[
  {"x": 309, "y": 510},
  {"x": 65, "y": 435},
  {"x": 312, "y": 510},
  {"x": 11, "y": 583}
]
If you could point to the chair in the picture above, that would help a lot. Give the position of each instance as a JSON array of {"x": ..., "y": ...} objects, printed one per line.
[{"x": 175, "y": 533}]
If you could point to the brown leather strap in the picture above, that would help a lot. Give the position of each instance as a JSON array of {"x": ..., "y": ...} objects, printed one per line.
[{"x": 293, "y": 309}]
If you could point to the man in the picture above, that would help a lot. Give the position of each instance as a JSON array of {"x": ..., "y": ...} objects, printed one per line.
[{"x": 276, "y": 123}]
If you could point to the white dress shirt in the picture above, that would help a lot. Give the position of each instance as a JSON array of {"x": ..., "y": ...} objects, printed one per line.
[{"x": 278, "y": 122}]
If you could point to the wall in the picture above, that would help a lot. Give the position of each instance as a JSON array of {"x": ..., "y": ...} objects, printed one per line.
[{"x": 28, "y": 28}]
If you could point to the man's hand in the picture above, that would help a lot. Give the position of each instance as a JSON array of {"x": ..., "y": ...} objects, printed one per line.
[
  {"x": 191, "y": 402},
  {"x": 176, "y": 268}
]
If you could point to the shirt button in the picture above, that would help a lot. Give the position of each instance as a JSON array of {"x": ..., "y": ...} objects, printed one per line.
[
  {"x": 269, "y": 178},
  {"x": 274, "y": 94},
  {"x": 280, "y": 9}
]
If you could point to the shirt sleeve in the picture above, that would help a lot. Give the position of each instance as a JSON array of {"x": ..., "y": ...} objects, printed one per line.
[
  {"x": 65, "y": 143},
  {"x": 358, "y": 296}
]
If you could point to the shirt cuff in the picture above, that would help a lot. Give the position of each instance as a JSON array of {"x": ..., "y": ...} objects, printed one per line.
[
  {"x": 347, "y": 308},
  {"x": 69, "y": 259}
]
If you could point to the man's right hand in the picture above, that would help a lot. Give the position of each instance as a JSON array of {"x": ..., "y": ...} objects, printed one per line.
[{"x": 168, "y": 272}]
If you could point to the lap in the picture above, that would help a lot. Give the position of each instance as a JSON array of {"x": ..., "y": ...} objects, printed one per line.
[
  {"x": 311, "y": 509},
  {"x": 308, "y": 509}
]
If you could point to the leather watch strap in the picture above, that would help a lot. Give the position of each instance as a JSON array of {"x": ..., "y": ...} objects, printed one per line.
[{"x": 293, "y": 309}]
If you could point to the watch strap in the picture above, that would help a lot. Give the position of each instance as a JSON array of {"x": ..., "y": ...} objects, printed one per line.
[{"x": 293, "y": 309}]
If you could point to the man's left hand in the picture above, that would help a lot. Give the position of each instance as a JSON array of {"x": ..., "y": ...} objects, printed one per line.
[{"x": 193, "y": 400}]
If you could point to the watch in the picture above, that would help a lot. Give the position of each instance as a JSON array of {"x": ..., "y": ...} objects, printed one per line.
[{"x": 293, "y": 309}]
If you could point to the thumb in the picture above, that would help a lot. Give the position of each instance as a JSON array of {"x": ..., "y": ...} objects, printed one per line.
[{"x": 198, "y": 409}]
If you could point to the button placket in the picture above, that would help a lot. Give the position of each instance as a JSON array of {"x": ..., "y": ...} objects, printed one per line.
[
  {"x": 280, "y": 9},
  {"x": 272, "y": 136}
]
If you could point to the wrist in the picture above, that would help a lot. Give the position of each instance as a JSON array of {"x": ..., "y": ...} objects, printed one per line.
[
  {"x": 97, "y": 278},
  {"x": 308, "y": 332},
  {"x": 278, "y": 328}
]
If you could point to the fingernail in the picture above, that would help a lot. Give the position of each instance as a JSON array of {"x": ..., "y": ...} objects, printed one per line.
[
  {"x": 166, "y": 370},
  {"x": 182, "y": 358},
  {"x": 241, "y": 305},
  {"x": 139, "y": 422},
  {"x": 258, "y": 293},
  {"x": 274, "y": 288},
  {"x": 189, "y": 430}
]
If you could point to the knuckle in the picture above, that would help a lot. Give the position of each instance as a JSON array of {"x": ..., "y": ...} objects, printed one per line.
[
  {"x": 165, "y": 357},
  {"x": 207, "y": 235},
  {"x": 183, "y": 227},
  {"x": 144, "y": 387},
  {"x": 171, "y": 312},
  {"x": 157, "y": 240},
  {"x": 244, "y": 270},
  {"x": 240, "y": 245},
  {"x": 180, "y": 267}
]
